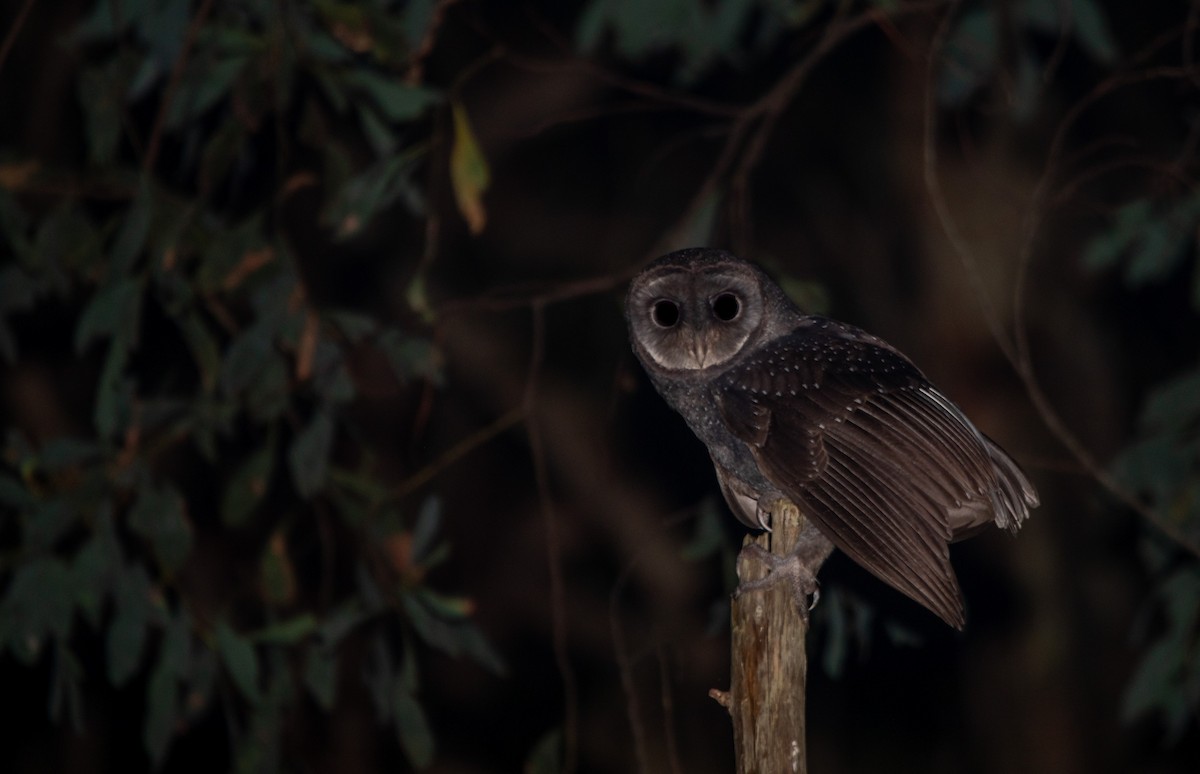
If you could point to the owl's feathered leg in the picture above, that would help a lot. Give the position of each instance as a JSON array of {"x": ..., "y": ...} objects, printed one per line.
[{"x": 798, "y": 568}]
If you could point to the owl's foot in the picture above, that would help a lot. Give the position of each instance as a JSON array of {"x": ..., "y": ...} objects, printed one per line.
[
  {"x": 790, "y": 569},
  {"x": 798, "y": 568}
]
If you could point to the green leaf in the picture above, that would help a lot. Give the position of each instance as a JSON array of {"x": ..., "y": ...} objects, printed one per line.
[
  {"x": 1028, "y": 87},
  {"x": 18, "y": 290},
  {"x": 240, "y": 660},
  {"x": 1155, "y": 253},
  {"x": 276, "y": 574},
  {"x": 162, "y": 27},
  {"x": 709, "y": 536},
  {"x": 48, "y": 521},
  {"x": 378, "y": 132},
  {"x": 14, "y": 494},
  {"x": 66, "y": 452},
  {"x": 66, "y": 674},
  {"x": 126, "y": 635},
  {"x": 425, "y": 531},
  {"x": 440, "y": 622},
  {"x": 1091, "y": 27},
  {"x": 547, "y": 754},
  {"x": 269, "y": 395},
  {"x": 102, "y": 99},
  {"x": 65, "y": 696},
  {"x": 410, "y": 356},
  {"x": 203, "y": 345},
  {"x": 249, "y": 484},
  {"x": 287, "y": 632},
  {"x": 331, "y": 375},
  {"x": 96, "y": 566},
  {"x": 114, "y": 310},
  {"x": 343, "y": 620},
  {"x": 332, "y": 87},
  {"x": 159, "y": 517},
  {"x": 1195, "y": 297},
  {"x": 836, "y": 647},
  {"x": 469, "y": 175},
  {"x": 1156, "y": 678},
  {"x": 161, "y": 714},
  {"x": 412, "y": 728},
  {"x": 8, "y": 343},
  {"x": 114, "y": 393},
  {"x": 133, "y": 231},
  {"x": 417, "y": 296},
  {"x": 970, "y": 57},
  {"x": 205, "y": 82},
  {"x": 320, "y": 676},
  {"x": 163, "y": 701},
  {"x": 37, "y": 605},
  {"x": 701, "y": 223},
  {"x": 1172, "y": 404},
  {"x": 68, "y": 241},
  {"x": 308, "y": 458},
  {"x": 369, "y": 192},
  {"x": 354, "y": 326},
  {"x": 398, "y": 101},
  {"x": 1158, "y": 464},
  {"x": 246, "y": 358},
  {"x": 1106, "y": 249}
]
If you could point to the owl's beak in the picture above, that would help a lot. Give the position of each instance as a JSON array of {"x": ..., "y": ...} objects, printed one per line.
[{"x": 701, "y": 350}]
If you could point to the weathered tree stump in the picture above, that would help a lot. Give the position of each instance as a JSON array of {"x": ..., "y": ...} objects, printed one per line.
[{"x": 766, "y": 696}]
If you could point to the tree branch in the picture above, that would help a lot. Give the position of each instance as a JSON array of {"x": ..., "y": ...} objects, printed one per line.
[{"x": 769, "y": 662}]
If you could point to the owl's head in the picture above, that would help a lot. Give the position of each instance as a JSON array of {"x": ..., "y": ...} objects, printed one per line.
[{"x": 695, "y": 309}]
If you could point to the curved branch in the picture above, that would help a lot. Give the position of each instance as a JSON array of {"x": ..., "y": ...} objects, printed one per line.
[{"x": 1017, "y": 351}]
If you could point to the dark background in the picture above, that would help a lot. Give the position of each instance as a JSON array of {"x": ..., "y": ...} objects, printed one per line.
[{"x": 568, "y": 520}]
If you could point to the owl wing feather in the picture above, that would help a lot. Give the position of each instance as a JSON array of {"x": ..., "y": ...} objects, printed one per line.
[{"x": 885, "y": 465}]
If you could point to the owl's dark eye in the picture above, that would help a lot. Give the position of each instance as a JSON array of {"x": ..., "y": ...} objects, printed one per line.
[
  {"x": 726, "y": 307},
  {"x": 665, "y": 313}
]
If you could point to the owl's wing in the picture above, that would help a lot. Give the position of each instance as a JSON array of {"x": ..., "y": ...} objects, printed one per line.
[{"x": 881, "y": 461}]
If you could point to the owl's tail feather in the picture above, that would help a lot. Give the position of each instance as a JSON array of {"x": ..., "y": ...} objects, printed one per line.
[{"x": 1014, "y": 494}]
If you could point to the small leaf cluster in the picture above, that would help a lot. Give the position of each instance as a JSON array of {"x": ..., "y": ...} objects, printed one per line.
[
  {"x": 1166, "y": 683},
  {"x": 985, "y": 34},
  {"x": 214, "y": 385},
  {"x": 1151, "y": 242}
]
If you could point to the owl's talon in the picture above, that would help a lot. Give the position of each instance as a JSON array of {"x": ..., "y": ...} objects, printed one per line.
[{"x": 788, "y": 568}]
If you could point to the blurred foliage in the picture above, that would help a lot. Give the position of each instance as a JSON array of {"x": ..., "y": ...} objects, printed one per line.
[
  {"x": 1151, "y": 242},
  {"x": 1167, "y": 681},
  {"x": 209, "y": 346},
  {"x": 974, "y": 55}
]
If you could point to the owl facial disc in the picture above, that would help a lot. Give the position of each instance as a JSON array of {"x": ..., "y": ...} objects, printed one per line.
[{"x": 691, "y": 318}]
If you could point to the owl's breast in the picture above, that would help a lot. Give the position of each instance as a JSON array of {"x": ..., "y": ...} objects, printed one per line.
[{"x": 697, "y": 403}]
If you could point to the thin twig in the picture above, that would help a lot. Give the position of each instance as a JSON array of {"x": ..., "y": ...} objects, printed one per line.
[
  {"x": 633, "y": 710},
  {"x": 460, "y": 450},
  {"x": 160, "y": 120},
  {"x": 527, "y": 295},
  {"x": 1017, "y": 351},
  {"x": 938, "y": 198},
  {"x": 768, "y": 108},
  {"x": 1189, "y": 44},
  {"x": 668, "y": 708},
  {"x": 14, "y": 31},
  {"x": 558, "y": 598},
  {"x": 416, "y": 68}
]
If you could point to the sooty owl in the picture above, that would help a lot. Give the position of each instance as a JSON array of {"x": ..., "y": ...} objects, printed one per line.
[{"x": 806, "y": 409}]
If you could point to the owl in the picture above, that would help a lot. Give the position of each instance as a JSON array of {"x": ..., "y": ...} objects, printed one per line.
[{"x": 809, "y": 410}]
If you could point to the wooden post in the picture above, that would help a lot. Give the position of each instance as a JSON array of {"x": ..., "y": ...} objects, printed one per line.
[{"x": 766, "y": 697}]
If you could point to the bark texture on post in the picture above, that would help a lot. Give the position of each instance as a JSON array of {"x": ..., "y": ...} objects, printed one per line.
[{"x": 766, "y": 697}]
